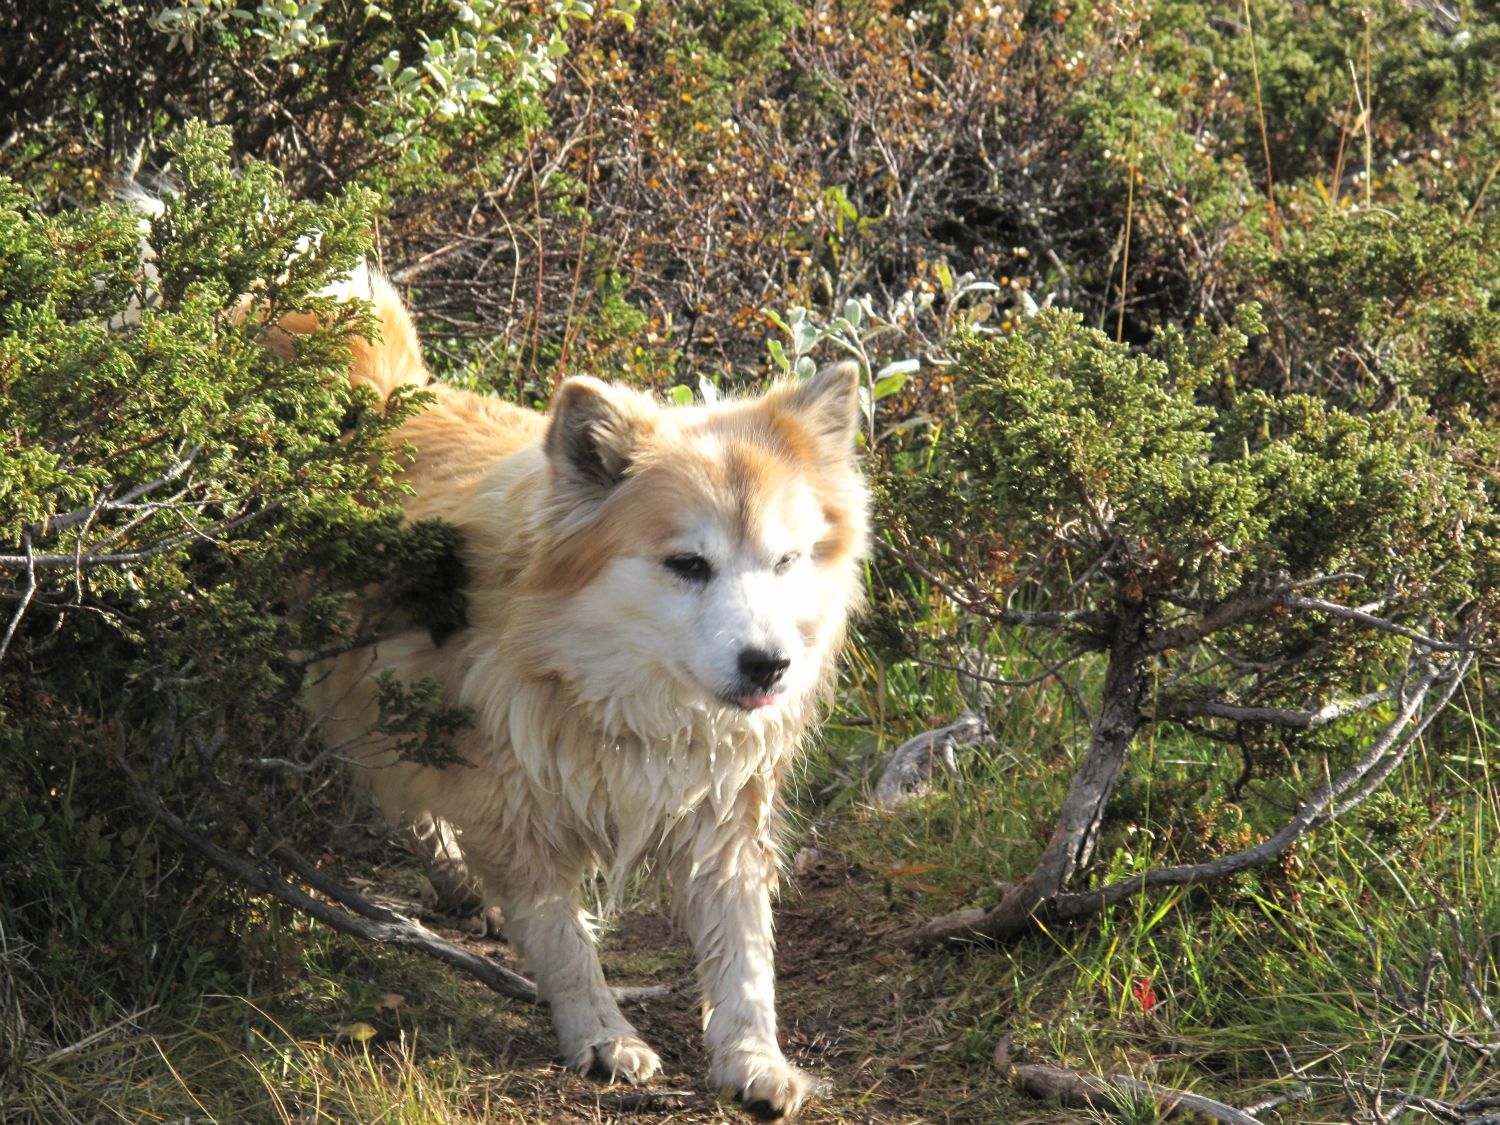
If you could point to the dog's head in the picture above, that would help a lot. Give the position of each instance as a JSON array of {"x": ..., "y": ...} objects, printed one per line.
[{"x": 710, "y": 551}]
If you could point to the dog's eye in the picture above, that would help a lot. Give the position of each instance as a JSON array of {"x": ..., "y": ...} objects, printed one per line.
[
  {"x": 784, "y": 563},
  {"x": 693, "y": 568}
]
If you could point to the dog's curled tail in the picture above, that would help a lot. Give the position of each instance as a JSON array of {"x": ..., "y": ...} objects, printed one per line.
[{"x": 394, "y": 357}]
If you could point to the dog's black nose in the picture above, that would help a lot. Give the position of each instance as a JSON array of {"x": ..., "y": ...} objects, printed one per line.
[{"x": 763, "y": 668}]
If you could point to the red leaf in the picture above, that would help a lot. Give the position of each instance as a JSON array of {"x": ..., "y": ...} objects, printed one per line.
[{"x": 1144, "y": 994}]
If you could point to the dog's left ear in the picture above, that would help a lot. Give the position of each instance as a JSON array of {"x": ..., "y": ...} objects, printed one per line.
[
  {"x": 596, "y": 430},
  {"x": 828, "y": 405}
]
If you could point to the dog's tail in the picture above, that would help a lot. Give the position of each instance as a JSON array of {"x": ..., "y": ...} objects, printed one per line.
[{"x": 394, "y": 357}]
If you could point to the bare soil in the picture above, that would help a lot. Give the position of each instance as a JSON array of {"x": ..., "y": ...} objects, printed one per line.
[{"x": 880, "y": 1031}]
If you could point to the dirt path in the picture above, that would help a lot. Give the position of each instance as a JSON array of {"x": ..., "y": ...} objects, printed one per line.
[{"x": 865, "y": 1019}]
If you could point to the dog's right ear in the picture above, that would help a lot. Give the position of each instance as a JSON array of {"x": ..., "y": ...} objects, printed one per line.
[
  {"x": 595, "y": 431},
  {"x": 827, "y": 405}
]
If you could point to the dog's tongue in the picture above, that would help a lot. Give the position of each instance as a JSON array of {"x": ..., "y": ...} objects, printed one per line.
[{"x": 754, "y": 702}]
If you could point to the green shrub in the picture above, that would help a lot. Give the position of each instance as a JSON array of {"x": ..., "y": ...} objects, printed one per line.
[
  {"x": 165, "y": 477},
  {"x": 411, "y": 95}
]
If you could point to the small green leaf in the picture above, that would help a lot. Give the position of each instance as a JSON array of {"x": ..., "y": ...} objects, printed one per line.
[
  {"x": 359, "y": 1031},
  {"x": 778, "y": 355}
]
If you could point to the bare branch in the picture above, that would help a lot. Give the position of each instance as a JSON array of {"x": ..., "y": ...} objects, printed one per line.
[
  {"x": 1459, "y": 1113},
  {"x": 1385, "y": 765},
  {"x": 1092, "y": 620},
  {"x": 372, "y": 924},
  {"x": 1470, "y": 984},
  {"x": 1077, "y": 828},
  {"x": 1229, "y": 612},
  {"x": 104, "y": 502},
  {"x": 63, "y": 562},
  {"x": 1243, "y": 607},
  {"x": 314, "y": 765},
  {"x": 161, "y": 546},
  {"x": 1413, "y": 1003},
  {"x": 1284, "y": 583},
  {"x": 1095, "y": 620},
  {"x": 1349, "y": 613},
  {"x": 1001, "y": 681},
  {"x": 426, "y": 261},
  {"x": 1391, "y": 743},
  {"x": 1276, "y": 716},
  {"x": 26, "y": 596},
  {"x": 1298, "y": 1094},
  {"x": 1325, "y": 579}
]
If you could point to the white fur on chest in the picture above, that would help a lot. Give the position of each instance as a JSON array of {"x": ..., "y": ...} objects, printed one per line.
[{"x": 612, "y": 776}]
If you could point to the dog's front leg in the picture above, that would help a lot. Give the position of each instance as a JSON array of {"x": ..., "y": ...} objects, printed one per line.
[
  {"x": 549, "y": 929},
  {"x": 723, "y": 871}
]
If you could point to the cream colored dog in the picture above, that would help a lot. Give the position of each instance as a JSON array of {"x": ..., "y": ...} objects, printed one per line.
[{"x": 656, "y": 597}]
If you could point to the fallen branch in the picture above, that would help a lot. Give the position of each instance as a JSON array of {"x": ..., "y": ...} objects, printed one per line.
[
  {"x": 911, "y": 766},
  {"x": 1118, "y": 1091},
  {"x": 368, "y": 921},
  {"x": 1413, "y": 1003},
  {"x": 645, "y": 1101},
  {"x": 372, "y": 923},
  {"x": 1473, "y": 1112},
  {"x": 1110, "y": 1091}
]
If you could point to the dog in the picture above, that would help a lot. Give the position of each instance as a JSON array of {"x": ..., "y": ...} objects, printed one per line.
[{"x": 656, "y": 597}]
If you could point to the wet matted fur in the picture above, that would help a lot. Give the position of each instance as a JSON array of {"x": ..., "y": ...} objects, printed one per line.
[{"x": 656, "y": 597}]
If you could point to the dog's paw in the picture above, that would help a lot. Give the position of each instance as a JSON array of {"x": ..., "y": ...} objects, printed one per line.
[
  {"x": 489, "y": 922},
  {"x": 767, "y": 1085},
  {"x": 626, "y": 1059},
  {"x": 466, "y": 912}
]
